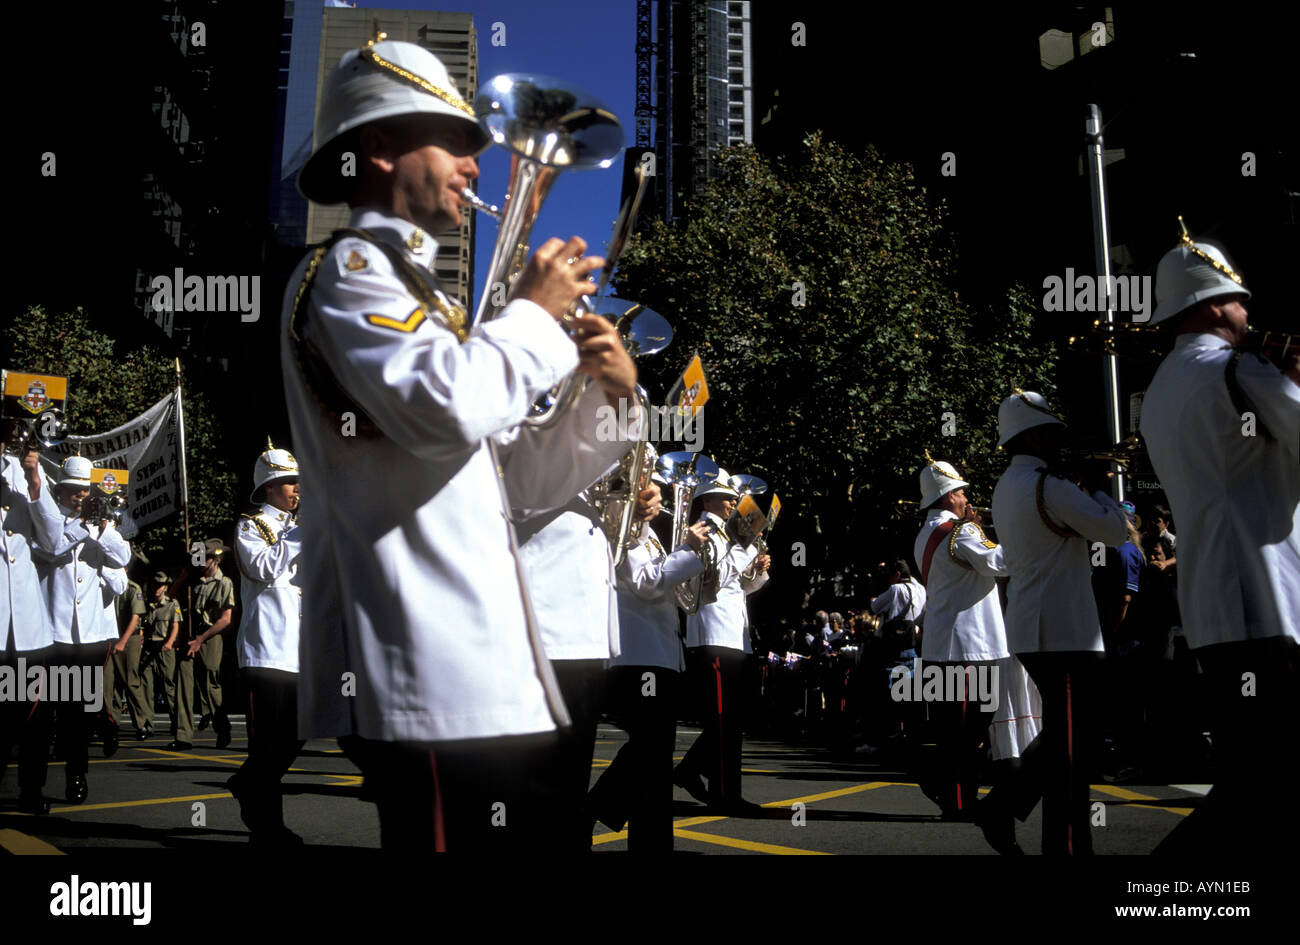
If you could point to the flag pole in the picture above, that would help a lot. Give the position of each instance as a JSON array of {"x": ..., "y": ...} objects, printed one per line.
[{"x": 185, "y": 495}]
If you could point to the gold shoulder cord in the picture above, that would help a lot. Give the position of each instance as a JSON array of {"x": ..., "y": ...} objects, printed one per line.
[
  {"x": 952, "y": 542},
  {"x": 262, "y": 528}
]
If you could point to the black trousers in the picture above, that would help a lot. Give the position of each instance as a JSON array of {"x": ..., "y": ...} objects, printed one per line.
[
  {"x": 637, "y": 788},
  {"x": 74, "y": 726},
  {"x": 565, "y": 776},
  {"x": 960, "y": 729},
  {"x": 718, "y": 680},
  {"x": 478, "y": 796},
  {"x": 1253, "y": 688},
  {"x": 273, "y": 744},
  {"x": 1059, "y": 764},
  {"x": 26, "y": 723}
]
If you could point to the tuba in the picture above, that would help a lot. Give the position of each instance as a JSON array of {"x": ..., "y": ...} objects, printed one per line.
[{"x": 686, "y": 472}]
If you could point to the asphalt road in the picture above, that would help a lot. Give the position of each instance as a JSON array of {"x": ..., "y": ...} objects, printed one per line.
[{"x": 815, "y": 802}]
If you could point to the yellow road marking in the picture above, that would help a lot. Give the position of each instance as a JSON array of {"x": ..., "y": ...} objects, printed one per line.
[
  {"x": 826, "y": 796},
  {"x": 144, "y": 803},
  {"x": 749, "y": 845},
  {"x": 1134, "y": 796},
  {"x": 21, "y": 844}
]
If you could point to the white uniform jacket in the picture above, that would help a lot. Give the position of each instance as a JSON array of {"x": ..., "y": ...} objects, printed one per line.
[
  {"x": 410, "y": 581},
  {"x": 725, "y": 621},
  {"x": 72, "y": 584},
  {"x": 904, "y": 598},
  {"x": 567, "y": 561},
  {"x": 1236, "y": 497},
  {"x": 112, "y": 584},
  {"x": 647, "y": 602},
  {"x": 267, "y": 549},
  {"x": 1050, "y": 605},
  {"x": 963, "y": 618},
  {"x": 27, "y": 525}
]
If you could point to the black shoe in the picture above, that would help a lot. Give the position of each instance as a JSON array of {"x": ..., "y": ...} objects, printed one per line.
[
  {"x": 76, "y": 788},
  {"x": 33, "y": 803},
  {"x": 281, "y": 837},
  {"x": 999, "y": 829},
  {"x": 142, "y": 733},
  {"x": 111, "y": 740},
  {"x": 179, "y": 746},
  {"x": 223, "y": 735},
  {"x": 692, "y": 784},
  {"x": 205, "y": 722}
]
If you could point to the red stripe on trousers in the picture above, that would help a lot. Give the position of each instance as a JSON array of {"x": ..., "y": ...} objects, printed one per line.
[
  {"x": 722, "y": 751},
  {"x": 439, "y": 836}
]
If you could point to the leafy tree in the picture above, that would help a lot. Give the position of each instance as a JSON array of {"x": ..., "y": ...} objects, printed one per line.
[
  {"x": 111, "y": 382},
  {"x": 821, "y": 299}
]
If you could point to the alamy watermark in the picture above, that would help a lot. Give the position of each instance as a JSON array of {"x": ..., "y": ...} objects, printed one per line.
[
  {"x": 181, "y": 293},
  {"x": 666, "y": 424},
  {"x": 53, "y": 684},
  {"x": 1087, "y": 293},
  {"x": 949, "y": 683}
]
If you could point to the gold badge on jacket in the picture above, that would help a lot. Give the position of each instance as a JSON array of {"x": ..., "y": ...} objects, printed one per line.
[{"x": 356, "y": 261}]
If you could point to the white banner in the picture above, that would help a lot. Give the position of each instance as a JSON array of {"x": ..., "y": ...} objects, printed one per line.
[{"x": 148, "y": 447}]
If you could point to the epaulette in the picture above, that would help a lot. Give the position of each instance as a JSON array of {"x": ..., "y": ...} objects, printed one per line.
[{"x": 262, "y": 528}]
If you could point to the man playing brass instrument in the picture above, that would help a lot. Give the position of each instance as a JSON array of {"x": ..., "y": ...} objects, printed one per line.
[
  {"x": 416, "y": 628},
  {"x": 717, "y": 641},
  {"x": 1223, "y": 431}
]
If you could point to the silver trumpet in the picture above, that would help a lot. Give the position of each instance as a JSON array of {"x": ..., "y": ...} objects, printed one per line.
[{"x": 42, "y": 432}]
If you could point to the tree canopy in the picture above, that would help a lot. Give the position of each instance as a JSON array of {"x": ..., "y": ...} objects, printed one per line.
[{"x": 821, "y": 298}]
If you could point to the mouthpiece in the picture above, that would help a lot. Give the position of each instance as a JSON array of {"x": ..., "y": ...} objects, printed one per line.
[{"x": 477, "y": 203}]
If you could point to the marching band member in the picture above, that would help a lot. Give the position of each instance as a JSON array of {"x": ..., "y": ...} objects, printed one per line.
[
  {"x": 409, "y": 638},
  {"x": 1045, "y": 523},
  {"x": 267, "y": 550},
  {"x": 31, "y": 521},
  {"x": 717, "y": 641},
  {"x": 963, "y": 626},
  {"x": 71, "y": 582},
  {"x": 637, "y": 788},
  {"x": 214, "y": 607},
  {"x": 1223, "y": 432}
]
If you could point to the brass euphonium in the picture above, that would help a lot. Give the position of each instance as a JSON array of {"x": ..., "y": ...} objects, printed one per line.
[
  {"x": 686, "y": 472},
  {"x": 547, "y": 125},
  {"x": 614, "y": 496}
]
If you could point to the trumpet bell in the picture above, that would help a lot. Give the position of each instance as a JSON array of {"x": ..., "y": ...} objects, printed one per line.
[
  {"x": 643, "y": 330},
  {"x": 688, "y": 469},
  {"x": 547, "y": 120}
]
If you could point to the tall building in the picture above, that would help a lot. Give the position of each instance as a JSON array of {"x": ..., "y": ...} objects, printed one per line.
[
  {"x": 703, "y": 90},
  {"x": 315, "y": 38}
]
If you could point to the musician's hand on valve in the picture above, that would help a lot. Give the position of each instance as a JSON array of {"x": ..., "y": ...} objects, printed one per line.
[
  {"x": 696, "y": 535},
  {"x": 603, "y": 358},
  {"x": 762, "y": 563},
  {"x": 552, "y": 281},
  {"x": 647, "y": 503}
]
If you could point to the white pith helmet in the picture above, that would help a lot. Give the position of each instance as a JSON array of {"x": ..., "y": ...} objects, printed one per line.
[
  {"x": 1022, "y": 411},
  {"x": 719, "y": 486},
  {"x": 272, "y": 466},
  {"x": 1191, "y": 273},
  {"x": 382, "y": 79},
  {"x": 75, "y": 472},
  {"x": 937, "y": 480}
]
